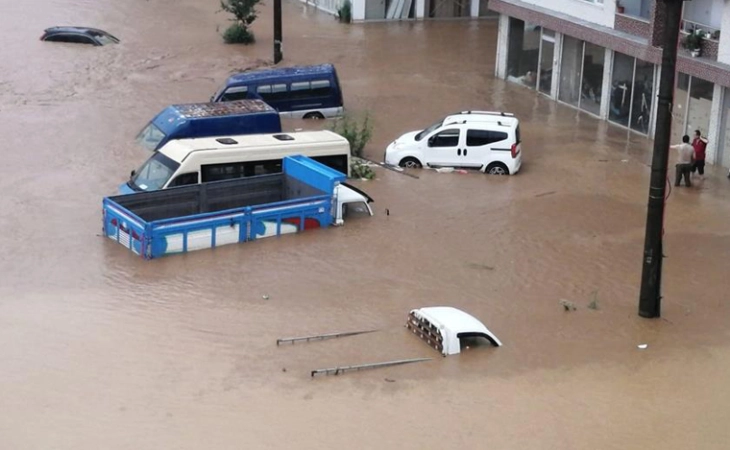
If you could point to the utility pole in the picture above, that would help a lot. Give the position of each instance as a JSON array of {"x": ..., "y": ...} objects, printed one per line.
[
  {"x": 277, "y": 31},
  {"x": 651, "y": 276}
]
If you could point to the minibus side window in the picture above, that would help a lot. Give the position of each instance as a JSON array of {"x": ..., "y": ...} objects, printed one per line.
[
  {"x": 217, "y": 172},
  {"x": 184, "y": 179},
  {"x": 337, "y": 162},
  {"x": 321, "y": 88},
  {"x": 235, "y": 93},
  {"x": 300, "y": 89},
  {"x": 272, "y": 92}
]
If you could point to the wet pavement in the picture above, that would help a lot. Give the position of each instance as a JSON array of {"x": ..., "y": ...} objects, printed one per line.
[{"x": 101, "y": 349}]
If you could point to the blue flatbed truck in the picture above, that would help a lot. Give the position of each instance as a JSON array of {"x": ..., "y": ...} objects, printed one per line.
[
  {"x": 198, "y": 120},
  {"x": 307, "y": 194}
]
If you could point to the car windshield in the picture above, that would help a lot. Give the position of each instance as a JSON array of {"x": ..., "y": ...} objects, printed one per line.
[
  {"x": 154, "y": 173},
  {"x": 428, "y": 130},
  {"x": 104, "y": 38},
  {"x": 150, "y": 137}
]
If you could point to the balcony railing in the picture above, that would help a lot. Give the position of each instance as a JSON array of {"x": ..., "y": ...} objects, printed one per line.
[{"x": 708, "y": 32}]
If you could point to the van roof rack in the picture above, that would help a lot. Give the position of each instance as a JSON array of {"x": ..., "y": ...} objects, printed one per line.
[{"x": 491, "y": 113}]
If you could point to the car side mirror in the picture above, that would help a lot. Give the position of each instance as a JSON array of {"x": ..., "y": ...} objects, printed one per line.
[
  {"x": 430, "y": 140},
  {"x": 132, "y": 173}
]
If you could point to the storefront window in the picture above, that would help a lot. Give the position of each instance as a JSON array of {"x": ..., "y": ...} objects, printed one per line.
[
  {"x": 592, "y": 83},
  {"x": 679, "y": 109},
  {"x": 692, "y": 105},
  {"x": 700, "y": 104},
  {"x": 546, "y": 61},
  {"x": 723, "y": 156},
  {"x": 621, "y": 87},
  {"x": 570, "y": 71},
  {"x": 524, "y": 53},
  {"x": 643, "y": 89}
]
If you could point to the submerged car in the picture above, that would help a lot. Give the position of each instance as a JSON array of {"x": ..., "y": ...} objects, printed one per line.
[
  {"x": 444, "y": 327},
  {"x": 78, "y": 35},
  {"x": 483, "y": 140}
]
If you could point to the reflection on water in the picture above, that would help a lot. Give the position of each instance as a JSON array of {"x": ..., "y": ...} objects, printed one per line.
[{"x": 103, "y": 350}]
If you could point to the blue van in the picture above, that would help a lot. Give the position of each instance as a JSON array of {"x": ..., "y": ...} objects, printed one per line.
[
  {"x": 304, "y": 92},
  {"x": 197, "y": 120}
]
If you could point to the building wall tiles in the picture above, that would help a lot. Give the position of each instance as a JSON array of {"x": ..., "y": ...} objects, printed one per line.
[{"x": 633, "y": 26}]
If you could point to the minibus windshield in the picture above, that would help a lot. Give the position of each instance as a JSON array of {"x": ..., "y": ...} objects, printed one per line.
[
  {"x": 154, "y": 173},
  {"x": 150, "y": 137}
]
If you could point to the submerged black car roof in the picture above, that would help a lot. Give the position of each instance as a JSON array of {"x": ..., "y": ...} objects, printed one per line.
[
  {"x": 76, "y": 29},
  {"x": 84, "y": 30}
]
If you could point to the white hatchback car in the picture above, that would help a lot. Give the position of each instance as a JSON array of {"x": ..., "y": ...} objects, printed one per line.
[{"x": 484, "y": 140}]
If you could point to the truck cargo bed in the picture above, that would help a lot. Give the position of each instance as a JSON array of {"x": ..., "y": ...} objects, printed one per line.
[{"x": 157, "y": 223}]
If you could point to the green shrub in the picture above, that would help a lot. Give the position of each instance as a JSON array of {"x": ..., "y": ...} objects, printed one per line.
[
  {"x": 237, "y": 34},
  {"x": 344, "y": 12},
  {"x": 244, "y": 13},
  {"x": 359, "y": 169},
  {"x": 357, "y": 134}
]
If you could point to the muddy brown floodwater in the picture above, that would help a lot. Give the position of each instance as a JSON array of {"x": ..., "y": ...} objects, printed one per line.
[{"x": 102, "y": 350}]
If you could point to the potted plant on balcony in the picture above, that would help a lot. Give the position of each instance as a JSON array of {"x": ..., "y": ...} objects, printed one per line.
[{"x": 693, "y": 43}]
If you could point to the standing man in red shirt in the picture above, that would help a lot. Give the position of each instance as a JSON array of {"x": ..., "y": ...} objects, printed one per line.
[{"x": 699, "y": 144}]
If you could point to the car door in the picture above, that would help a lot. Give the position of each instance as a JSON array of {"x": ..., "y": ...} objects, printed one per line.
[
  {"x": 482, "y": 144},
  {"x": 443, "y": 147}
]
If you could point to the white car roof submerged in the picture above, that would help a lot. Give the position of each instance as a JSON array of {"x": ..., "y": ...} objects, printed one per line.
[{"x": 451, "y": 323}]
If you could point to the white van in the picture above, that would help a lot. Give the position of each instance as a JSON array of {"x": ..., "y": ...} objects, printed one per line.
[
  {"x": 484, "y": 140},
  {"x": 191, "y": 161}
]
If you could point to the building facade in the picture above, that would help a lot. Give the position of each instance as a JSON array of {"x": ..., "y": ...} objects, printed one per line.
[
  {"x": 372, "y": 10},
  {"x": 603, "y": 57}
]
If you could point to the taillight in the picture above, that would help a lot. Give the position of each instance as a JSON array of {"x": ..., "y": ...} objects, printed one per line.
[{"x": 514, "y": 151}]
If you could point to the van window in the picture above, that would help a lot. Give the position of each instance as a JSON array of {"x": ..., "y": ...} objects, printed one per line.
[
  {"x": 446, "y": 138},
  {"x": 184, "y": 179},
  {"x": 337, "y": 162},
  {"x": 517, "y": 135},
  {"x": 428, "y": 130},
  {"x": 150, "y": 137},
  {"x": 476, "y": 138},
  {"x": 228, "y": 171},
  {"x": 300, "y": 89},
  {"x": 154, "y": 173},
  {"x": 321, "y": 88},
  {"x": 272, "y": 92},
  {"x": 235, "y": 93}
]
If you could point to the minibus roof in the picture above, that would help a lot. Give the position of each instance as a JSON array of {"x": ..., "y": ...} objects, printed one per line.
[
  {"x": 196, "y": 110},
  {"x": 264, "y": 74},
  {"x": 179, "y": 149}
]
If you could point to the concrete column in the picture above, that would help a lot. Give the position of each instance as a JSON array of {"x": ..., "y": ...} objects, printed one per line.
[
  {"x": 655, "y": 100},
  {"x": 606, "y": 85},
  {"x": 715, "y": 131},
  {"x": 358, "y": 10},
  {"x": 474, "y": 10},
  {"x": 502, "y": 43},
  {"x": 723, "y": 52},
  {"x": 420, "y": 9},
  {"x": 557, "y": 57}
]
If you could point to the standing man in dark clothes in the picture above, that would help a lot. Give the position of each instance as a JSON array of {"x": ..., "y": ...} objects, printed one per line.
[
  {"x": 699, "y": 144},
  {"x": 685, "y": 158}
]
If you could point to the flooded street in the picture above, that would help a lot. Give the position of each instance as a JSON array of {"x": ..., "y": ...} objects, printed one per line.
[{"x": 100, "y": 349}]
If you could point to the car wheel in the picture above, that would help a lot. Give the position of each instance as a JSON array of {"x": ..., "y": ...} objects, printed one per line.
[
  {"x": 313, "y": 115},
  {"x": 497, "y": 169},
  {"x": 410, "y": 163}
]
